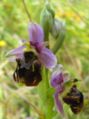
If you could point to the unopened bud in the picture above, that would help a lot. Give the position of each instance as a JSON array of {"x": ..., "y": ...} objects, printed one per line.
[
  {"x": 57, "y": 28},
  {"x": 50, "y": 9},
  {"x": 47, "y": 18}
]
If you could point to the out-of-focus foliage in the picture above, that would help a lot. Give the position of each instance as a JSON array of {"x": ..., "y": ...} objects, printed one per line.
[{"x": 19, "y": 102}]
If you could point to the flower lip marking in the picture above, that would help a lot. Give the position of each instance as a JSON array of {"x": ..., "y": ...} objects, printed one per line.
[
  {"x": 75, "y": 99},
  {"x": 28, "y": 71}
]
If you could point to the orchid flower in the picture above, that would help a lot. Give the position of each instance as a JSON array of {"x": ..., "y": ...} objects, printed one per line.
[
  {"x": 58, "y": 79},
  {"x": 46, "y": 57},
  {"x": 42, "y": 56},
  {"x": 24, "y": 72}
]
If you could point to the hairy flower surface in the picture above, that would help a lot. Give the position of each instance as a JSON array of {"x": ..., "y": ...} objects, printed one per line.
[
  {"x": 30, "y": 76},
  {"x": 45, "y": 55}
]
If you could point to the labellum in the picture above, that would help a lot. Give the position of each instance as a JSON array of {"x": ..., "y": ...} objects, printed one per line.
[
  {"x": 28, "y": 70},
  {"x": 75, "y": 99}
]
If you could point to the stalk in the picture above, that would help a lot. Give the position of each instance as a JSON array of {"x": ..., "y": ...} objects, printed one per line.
[
  {"x": 26, "y": 10},
  {"x": 46, "y": 96}
]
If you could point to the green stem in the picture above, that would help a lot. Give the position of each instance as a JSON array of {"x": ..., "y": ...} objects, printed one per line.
[
  {"x": 46, "y": 96},
  {"x": 25, "y": 7}
]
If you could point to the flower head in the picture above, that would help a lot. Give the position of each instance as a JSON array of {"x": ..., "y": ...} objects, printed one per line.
[
  {"x": 57, "y": 81},
  {"x": 46, "y": 57},
  {"x": 28, "y": 70}
]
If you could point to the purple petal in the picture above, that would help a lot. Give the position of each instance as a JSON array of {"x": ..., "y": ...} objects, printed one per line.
[
  {"x": 57, "y": 79},
  {"x": 18, "y": 52},
  {"x": 47, "y": 58},
  {"x": 58, "y": 103},
  {"x": 36, "y": 34}
]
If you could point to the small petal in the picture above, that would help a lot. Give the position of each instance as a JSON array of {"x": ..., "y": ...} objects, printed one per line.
[
  {"x": 57, "y": 79},
  {"x": 36, "y": 34},
  {"x": 17, "y": 52},
  {"x": 58, "y": 103},
  {"x": 47, "y": 58}
]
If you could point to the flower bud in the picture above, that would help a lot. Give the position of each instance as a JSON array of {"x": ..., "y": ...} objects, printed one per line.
[
  {"x": 50, "y": 9},
  {"x": 47, "y": 18},
  {"x": 57, "y": 28}
]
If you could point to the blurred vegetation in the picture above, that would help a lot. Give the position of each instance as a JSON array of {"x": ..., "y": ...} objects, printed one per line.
[{"x": 19, "y": 102}]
